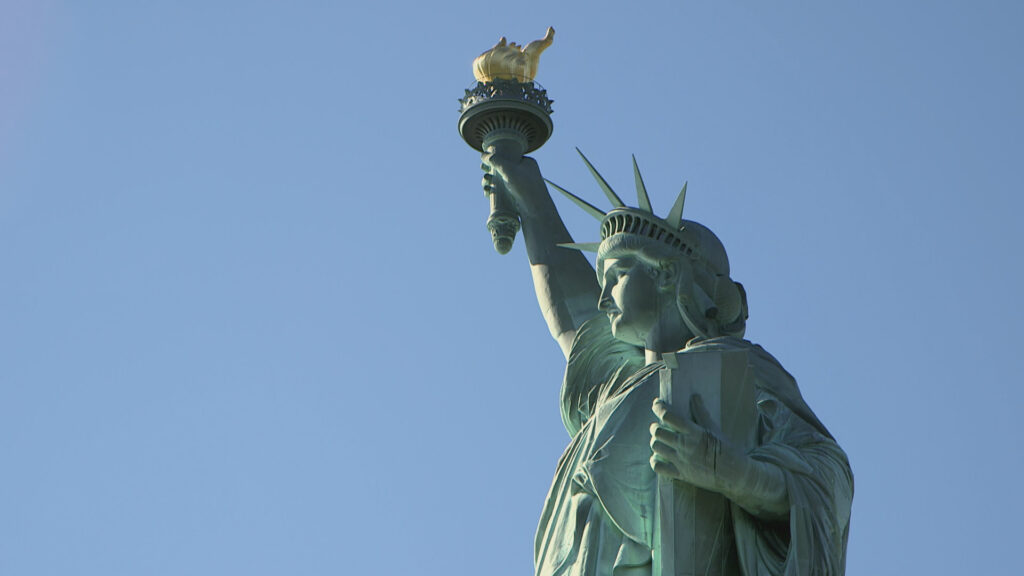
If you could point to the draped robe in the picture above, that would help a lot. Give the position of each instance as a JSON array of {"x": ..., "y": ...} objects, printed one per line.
[{"x": 598, "y": 518}]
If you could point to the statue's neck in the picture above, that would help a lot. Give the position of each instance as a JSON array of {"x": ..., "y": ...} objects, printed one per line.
[
  {"x": 650, "y": 357},
  {"x": 668, "y": 335}
]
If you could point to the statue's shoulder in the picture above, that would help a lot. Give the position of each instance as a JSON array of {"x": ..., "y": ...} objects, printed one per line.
[
  {"x": 769, "y": 375},
  {"x": 757, "y": 356},
  {"x": 767, "y": 372},
  {"x": 723, "y": 343},
  {"x": 598, "y": 362},
  {"x": 595, "y": 349}
]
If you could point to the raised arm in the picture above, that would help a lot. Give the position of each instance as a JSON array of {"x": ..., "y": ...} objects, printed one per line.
[{"x": 566, "y": 287}]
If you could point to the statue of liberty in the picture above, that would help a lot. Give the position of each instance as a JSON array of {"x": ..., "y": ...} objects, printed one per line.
[
  {"x": 766, "y": 489},
  {"x": 663, "y": 286}
]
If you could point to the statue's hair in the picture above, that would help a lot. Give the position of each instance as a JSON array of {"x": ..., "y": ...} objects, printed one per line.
[{"x": 703, "y": 282}]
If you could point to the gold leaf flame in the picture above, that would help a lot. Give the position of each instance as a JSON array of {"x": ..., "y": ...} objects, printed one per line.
[{"x": 509, "y": 61}]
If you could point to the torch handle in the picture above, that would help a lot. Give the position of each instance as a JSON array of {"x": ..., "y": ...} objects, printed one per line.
[{"x": 503, "y": 221}]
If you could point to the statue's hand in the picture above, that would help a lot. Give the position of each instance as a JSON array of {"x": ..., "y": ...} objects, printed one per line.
[
  {"x": 519, "y": 174},
  {"x": 695, "y": 452}
]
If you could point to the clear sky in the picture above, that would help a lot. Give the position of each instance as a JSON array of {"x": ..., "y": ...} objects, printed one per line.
[{"x": 251, "y": 321}]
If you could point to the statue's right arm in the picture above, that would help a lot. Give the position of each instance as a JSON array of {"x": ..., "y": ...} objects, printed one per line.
[{"x": 565, "y": 283}]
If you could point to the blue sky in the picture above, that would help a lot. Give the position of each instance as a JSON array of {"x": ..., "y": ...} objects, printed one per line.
[{"x": 251, "y": 321}]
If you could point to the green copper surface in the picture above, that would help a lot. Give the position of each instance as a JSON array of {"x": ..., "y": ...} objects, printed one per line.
[{"x": 692, "y": 450}]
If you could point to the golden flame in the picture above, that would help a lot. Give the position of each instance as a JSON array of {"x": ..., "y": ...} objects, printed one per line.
[{"x": 509, "y": 61}]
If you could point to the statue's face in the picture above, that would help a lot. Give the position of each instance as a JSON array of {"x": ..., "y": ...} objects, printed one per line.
[{"x": 629, "y": 297}]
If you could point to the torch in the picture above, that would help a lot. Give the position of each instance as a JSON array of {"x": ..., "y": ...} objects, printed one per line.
[{"x": 506, "y": 108}]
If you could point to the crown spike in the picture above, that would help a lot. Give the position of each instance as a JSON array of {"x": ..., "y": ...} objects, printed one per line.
[
  {"x": 675, "y": 215},
  {"x": 642, "y": 198},
  {"x": 612, "y": 196},
  {"x": 581, "y": 246},
  {"x": 587, "y": 207}
]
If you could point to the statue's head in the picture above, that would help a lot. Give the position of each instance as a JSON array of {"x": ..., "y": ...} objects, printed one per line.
[
  {"x": 652, "y": 269},
  {"x": 685, "y": 268}
]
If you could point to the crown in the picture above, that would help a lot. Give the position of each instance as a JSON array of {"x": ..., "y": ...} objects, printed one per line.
[
  {"x": 715, "y": 296},
  {"x": 671, "y": 231}
]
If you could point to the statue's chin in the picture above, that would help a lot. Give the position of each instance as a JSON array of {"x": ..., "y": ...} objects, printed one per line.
[{"x": 627, "y": 336}]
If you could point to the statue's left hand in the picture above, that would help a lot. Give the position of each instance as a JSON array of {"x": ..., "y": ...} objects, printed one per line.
[{"x": 695, "y": 451}]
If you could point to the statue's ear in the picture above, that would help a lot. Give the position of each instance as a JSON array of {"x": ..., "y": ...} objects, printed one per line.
[{"x": 667, "y": 277}]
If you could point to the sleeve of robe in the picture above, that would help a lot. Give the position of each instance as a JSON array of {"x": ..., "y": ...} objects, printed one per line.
[{"x": 812, "y": 541}]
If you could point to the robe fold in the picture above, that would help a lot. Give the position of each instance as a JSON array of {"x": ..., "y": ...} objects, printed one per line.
[{"x": 598, "y": 519}]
